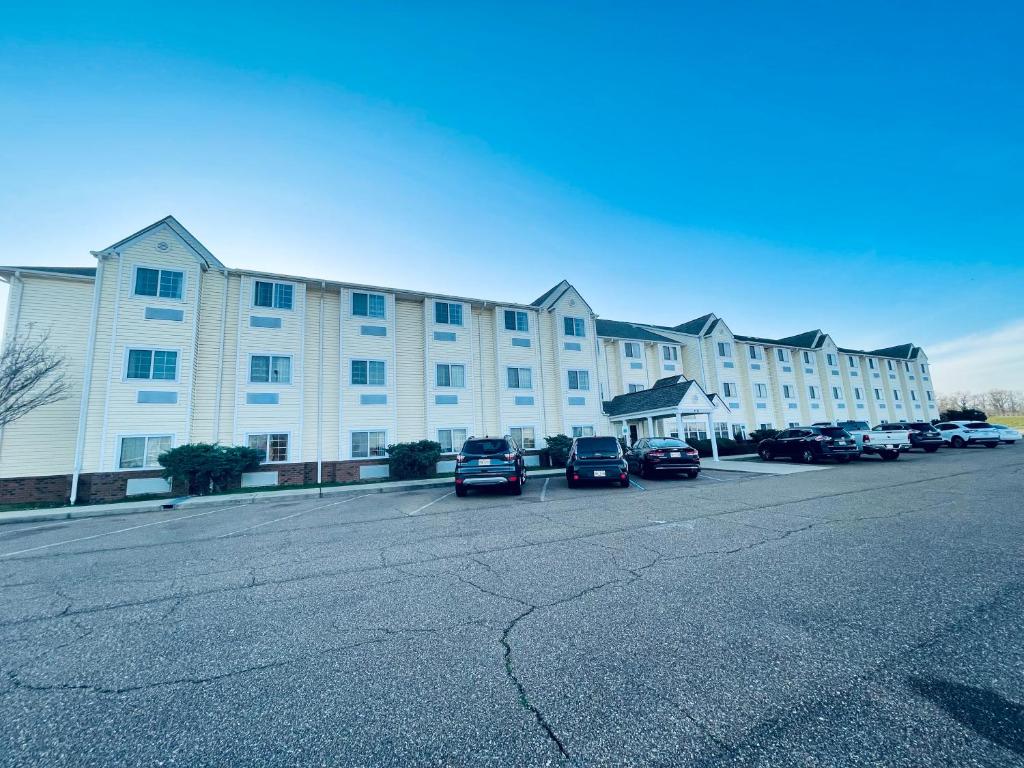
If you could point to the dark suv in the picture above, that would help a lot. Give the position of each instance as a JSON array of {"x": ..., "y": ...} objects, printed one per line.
[
  {"x": 490, "y": 462},
  {"x": 808, "y": 444},
  {"x": 922, "y": 434},
  {"x": 654, "y": 456},
  {"x": 596, "y": 459}
]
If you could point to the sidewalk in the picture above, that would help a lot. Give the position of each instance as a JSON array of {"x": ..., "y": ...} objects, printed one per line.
[{"x": 743, "y": 463}]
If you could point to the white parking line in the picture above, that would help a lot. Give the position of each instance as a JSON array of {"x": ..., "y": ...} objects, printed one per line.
[
  {"x": 430, "y": 503},
  {"x": 709, "y": 477},
  {"x": 635, "y": 483},
  {"x": 119, "y": 530},
  {"x": 544, "y": 490},
  {"x": 294, "y": 514},
  {"x": 44, "y": 525}
]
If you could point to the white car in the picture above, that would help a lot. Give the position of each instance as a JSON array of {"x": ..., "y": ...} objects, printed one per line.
[
  {"x": 961, "y": 434},
  {"x": 1007, "y": 434}
]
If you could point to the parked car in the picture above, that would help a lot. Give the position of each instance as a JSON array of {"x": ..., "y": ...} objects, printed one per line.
[
  {"x": 490, "y": 462},
  {"x": 884, "y": 443},
  {"x": 809, "y": 444},
  {"x": 596, "y": 459},
  {"x": 961, "y": 434},
  {"x": 659, "y": 456},
  {"x": 1007, "y": 435},
  {"x": 922, "y": 434}
]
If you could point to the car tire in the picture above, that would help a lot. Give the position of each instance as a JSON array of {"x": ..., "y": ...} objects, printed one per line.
[
  {"x": 642, "y": 469},
  {"x": 931, "y": 449},
  {"x": 624, "y": 483},
  {"x": 516, "y": 489},
  {"x": 570, "y": 482},
  {"x": 807, "y": 456},
  {"x": 889, "y": 455},
  {"x": 958, "y": 442},
  {"x": 765, "y": 454},
  {"x": 460, "y": 491},
  {"x": 692, "y": 475},
  {"x": 844, "y": 459}
]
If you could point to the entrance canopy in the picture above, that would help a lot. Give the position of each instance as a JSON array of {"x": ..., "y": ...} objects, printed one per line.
[{"x": 670, "y": 398}]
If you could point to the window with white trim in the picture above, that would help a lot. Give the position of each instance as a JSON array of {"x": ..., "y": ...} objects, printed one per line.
[
  {"x": 906, "y": 366},
  {"x": 837, "y": 393},
  {"x": 739, "y": 431},
  {"x": 928, "y": 394},
  {"x": 695, "y": 430},
  {"x": 519, "y": 378},
  {"x": 858, "y": 393},
  {"x": 812, "y": 392},
  {"x": 807, "y": 358},
  {"x": 889, "y": 365},
  {"x": 871, "y": 363},
  {"x": 447, "y": 313},
  {"x": 451, "y": 440},
  {"x": 756, "y": 353},
  {"x": 632, "y": 349},
  {"x": 851, "y": 361},
  {"x": 761, "y": 391},
  {"x": 574, "y": 326},
  {"x": 272, "y": 295},
  {"x": 765, "y": 425},
  {"x": 157, "y": 364},
  {"x": 896, "y": 395},
  {"x": 782, "y": 354},
  {"x": 524, "y": 436},
  {"x": 787, "y": 391},
  {"x": 830, "y": 359},
  {"x": 516, "y": 321},
  {"x": 160, "y": 283},
  {"x": 794, "y": 424},
  {"x": 273, "y": 446},
  {"x": 924, "y": 368},
  {"x": 369, "y": 372},
  {"x": 728, "y": 389},
  {"x": 670, "y": 354},
  {"x": 143, "y": 451},
  {"x": 270, "y": 369},
  {"x": 579, "y": 379},
  {"x": 913, "y": 395},
  {"x": 583, "y": 430},
  {"x": 368, "y": 304},
  {"x": 724, "y": 349},
  {"x": 878, "y": 394},
  {"x": 636, "y": 387},
  {"x": 722, "y": 429},
  {"x": 369, "y": 444},
  {"x": 450, "y": 375}
]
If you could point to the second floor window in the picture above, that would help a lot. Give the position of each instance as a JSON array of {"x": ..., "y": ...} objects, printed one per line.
[
  {"x": 812, "y": 393},
  {"x": 158, "y": 364},
  {"x": 761, "y": 391},
  {"x": 579, "y": 379},
  {"x": 516, "y": 321},
  {"x": 270, "y": 369},
  {"x": 787, "y": 391},
  {"x": 447, "y": 313},
  {"x": 729, "y": 389},
  {"x": 162, "y": 283},
  {"x": 368, "y": 305},
  {"x": 520, "y": 378},
  {"x": 836, "y": 393},
  {"x": 671, "y": 354},
  {"x": 632, "y": 349},
  {"x": 871, "y": 363},
  {"x": 574, "y": 326},
  {"x": 370, "y": 372},
  {"x": 449, "y": 375}
]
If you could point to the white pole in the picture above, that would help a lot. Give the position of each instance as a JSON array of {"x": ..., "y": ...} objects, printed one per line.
[
  {"x": 83, "y": 408},
  {"x": 711, "y": 434},
  {"x": 679, "y": 425}
]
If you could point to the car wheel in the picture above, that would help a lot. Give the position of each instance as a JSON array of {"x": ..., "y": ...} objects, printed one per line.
[
  {"x": 958, "y": 442},
  {"x": 641, "y": 469},
  {"x": 807, "y": 457},
  {"x": 765, "y": 453},
  {"x": 843, "y": 459},
  {"x": 460, "y": 491},
  {"x": 931, "y": 449},
  {"x": 515, "y": 489},
  {"x": 692, "y": 475},
  {"x": 624, "y": 483},
  {"x": 890, "y": 455},
  {"x": 569, "y": 481}
]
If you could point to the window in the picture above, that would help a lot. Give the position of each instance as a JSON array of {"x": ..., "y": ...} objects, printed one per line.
[
  {"x": 368, "y": 445},
  {"x": 275, "y": 295},
  {"x": 574, "y": 326},
  {"x": 739, "y": 431},
  {"x": 519, "y": 378},
  {"x": 451, "y": 440},
  {"x": 807, "y": 358},
  {"x": 928, "y": 394},
  {"x": 273, "y": 446},
  {"x": 724, "y": 349},
  {"x": 636, "y": 387},
  {"x": 830, "y": 359},
  {"x": 579, "y": 379},
  {"x": 163, "y": 283},
  {"x": 787, "y": 391},
  {"x": 782, "y": 354},
  {"x": 722, "y": 429},
  {"x": 270, "y": 369},
  {"x": 695, "y": 430},
  {"x": 858, "y": 393},
  {"x": 812, "y": 393},
  {"x": 516, "y": 321},
  {"x": 728, "y": 389},
  {"x": 837, "y": 393},
  {"x": 764, "y": 426},
  {"x": 793, "y": 424},
  {"x": 851, "y": 361},
  {"x": 896, "y": 395},
  {"x": 158, "y": 364},
  {"x": 632, "y": 349},
  {"x": 761, "y": 391},
  {"x": 671, "y": 354},
  {"x": 370, "y": 372},
  {"x": 524, "y": 436},
  {"x": 924, "y": 368},
  {"x": 447, "y": 313},
  {"x": 913, "y": 395},
  {"x": 141, "y": 452},
  {"x": 756, "y": 353},
  {"x": 450, "y": 375},
  {"x": 878, "y": 394},
  {"x": 368, "y": 304},
  {"x": 888, "y": 364},
  {"x": 583, "y": 431},
  {"x": 906, "y": 366},
  {"x": 871, "y": 363}
]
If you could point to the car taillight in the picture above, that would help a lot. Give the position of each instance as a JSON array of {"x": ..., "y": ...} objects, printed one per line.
[
  {"x": 656, "y": 453},
  {"x": 459, "y": 459},
  {"x": 509, "y": 456},
  {"x": 513, "y": 479},
  {"x": 867, "y": 438},
  {"x": 823, "y": 439},
  {"x": 575, "y": 477},
  {"x": 622, "y": 476},
  {"x": 691, "y": 451}
]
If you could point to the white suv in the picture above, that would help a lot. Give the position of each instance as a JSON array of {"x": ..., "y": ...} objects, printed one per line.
[
  {"x": 1007, "y": 434},
  {"x": 961, "y": 434}
]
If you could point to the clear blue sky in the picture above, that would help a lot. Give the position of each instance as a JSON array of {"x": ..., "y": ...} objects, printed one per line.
[{"x": 786, "y": 166}]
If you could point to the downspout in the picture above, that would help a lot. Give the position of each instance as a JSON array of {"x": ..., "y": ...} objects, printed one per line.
[
  {"x": 220, "y": 360},
  {"x": 110, "y": 364},
  {"x": 83, "y": 409},
  {"x": 320, "y": 397}
]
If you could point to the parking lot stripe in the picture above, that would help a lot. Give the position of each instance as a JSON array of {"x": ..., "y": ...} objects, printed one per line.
[
  {"x": 430, "y": 503},
  {"x": 708, "y": 477},
  {"x": 111, "y": 533},
  {"x": 544, "y": 490},
  {"x": 635, "y": 483},
  {"x": 294, "y": 514}
]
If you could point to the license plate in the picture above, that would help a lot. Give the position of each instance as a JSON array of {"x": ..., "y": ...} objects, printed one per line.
[
  {"x": 675, "y": 454},
  {"x": 598, "y": 473},
  {"x": 889, "y": 445},
  {"x": 484, "y": 462}
]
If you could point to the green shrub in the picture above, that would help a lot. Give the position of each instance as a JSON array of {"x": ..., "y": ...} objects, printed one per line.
[
  {"x": 967, "y": 414},
  {"x": 726, "y": 447},
  {"x": 203, "y": 468},
  {"x": 762, "y": 434},
  {"x": 413, "y": 461},
  {"x": 558, "y": 449}
]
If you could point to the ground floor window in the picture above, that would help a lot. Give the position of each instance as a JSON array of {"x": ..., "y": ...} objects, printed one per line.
[
  {"x": 451, "y": 440},
  {"x": 273, "y": 446},
  {"x": 739, "y": 431},
  {"x": 765, "y": 426},
  {"x": 695, "y": 430},
  {"x": 583, "y": 431},
  {"x": 369, "y": 445},
  {"x": 524, "y": 436},
  {"x": 721, "y": 429},
  {"x": 794, "y": 424},
  {"x": 141, "y": 452}
]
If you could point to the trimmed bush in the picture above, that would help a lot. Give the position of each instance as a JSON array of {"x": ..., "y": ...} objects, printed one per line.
[
  {"x": 969, "y": 414},
  {"x": 762, "y": 434},
  {"x": 558, "y": 449},
  {"x": 414, "y": 461},
  {"x": 204, "y": 468},
  {"x": 726, "y": 447}
]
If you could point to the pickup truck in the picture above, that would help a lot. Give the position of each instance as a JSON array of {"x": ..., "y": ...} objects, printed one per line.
[{"x": 885, "y": 444}]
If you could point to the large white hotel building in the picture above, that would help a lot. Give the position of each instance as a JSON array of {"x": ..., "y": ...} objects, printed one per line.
[{"x": 164, "y": 345}]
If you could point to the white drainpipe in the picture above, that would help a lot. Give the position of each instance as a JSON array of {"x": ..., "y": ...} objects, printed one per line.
[
  {"x": 83, "y": 409},
  {"x": 320, "y": 395}
]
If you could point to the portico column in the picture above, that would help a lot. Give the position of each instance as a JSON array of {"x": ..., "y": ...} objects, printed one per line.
[
  {"x": 679, "y": 425},
  {"x": 714, "y": 440},
  {"x": 650, "y": 426}
]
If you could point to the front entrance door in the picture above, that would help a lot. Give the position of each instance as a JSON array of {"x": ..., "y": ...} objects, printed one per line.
[{"x": 633, "y": 435}]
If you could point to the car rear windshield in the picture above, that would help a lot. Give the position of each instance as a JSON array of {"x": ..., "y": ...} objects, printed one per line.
[
  {"x": 834, "y": 432},
  {"x": 484, "y": 447},
  {"x": 862, "y": 426},
  {"x": 978, "y": 425},
  {"x": 668, "y": 442},
  {"x": 597, "y": 446},
  {"x": 921, "y": 426}
]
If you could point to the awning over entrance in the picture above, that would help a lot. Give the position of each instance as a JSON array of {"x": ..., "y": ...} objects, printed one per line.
[{"x": 670, "y": 398}]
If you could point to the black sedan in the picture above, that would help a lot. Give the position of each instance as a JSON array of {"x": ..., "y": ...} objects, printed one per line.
[
  {"x": 809, "y": 444},
  {"x": 922, "y": 434},
  {"x": 659, "y": 456}
]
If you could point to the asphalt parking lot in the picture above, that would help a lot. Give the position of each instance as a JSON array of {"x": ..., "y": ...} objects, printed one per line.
[{"x": 872, "y": 614}]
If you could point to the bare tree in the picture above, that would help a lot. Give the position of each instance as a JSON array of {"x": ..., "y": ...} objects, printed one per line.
[{"x": 31, "y": 376}]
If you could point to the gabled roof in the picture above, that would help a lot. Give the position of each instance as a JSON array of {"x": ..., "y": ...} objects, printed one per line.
[
  {"x": 695, "y": 326},
  {"x": 542, "y": 299},
  {"x": 614, "y": 329},
  {"x": 69, "y": 271},
  {"x": 808, "y": 339},
  {"x": 902, "y": 351},
  {"x": 204, "y": 256},
  {"x": 666, "y": 394}
]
